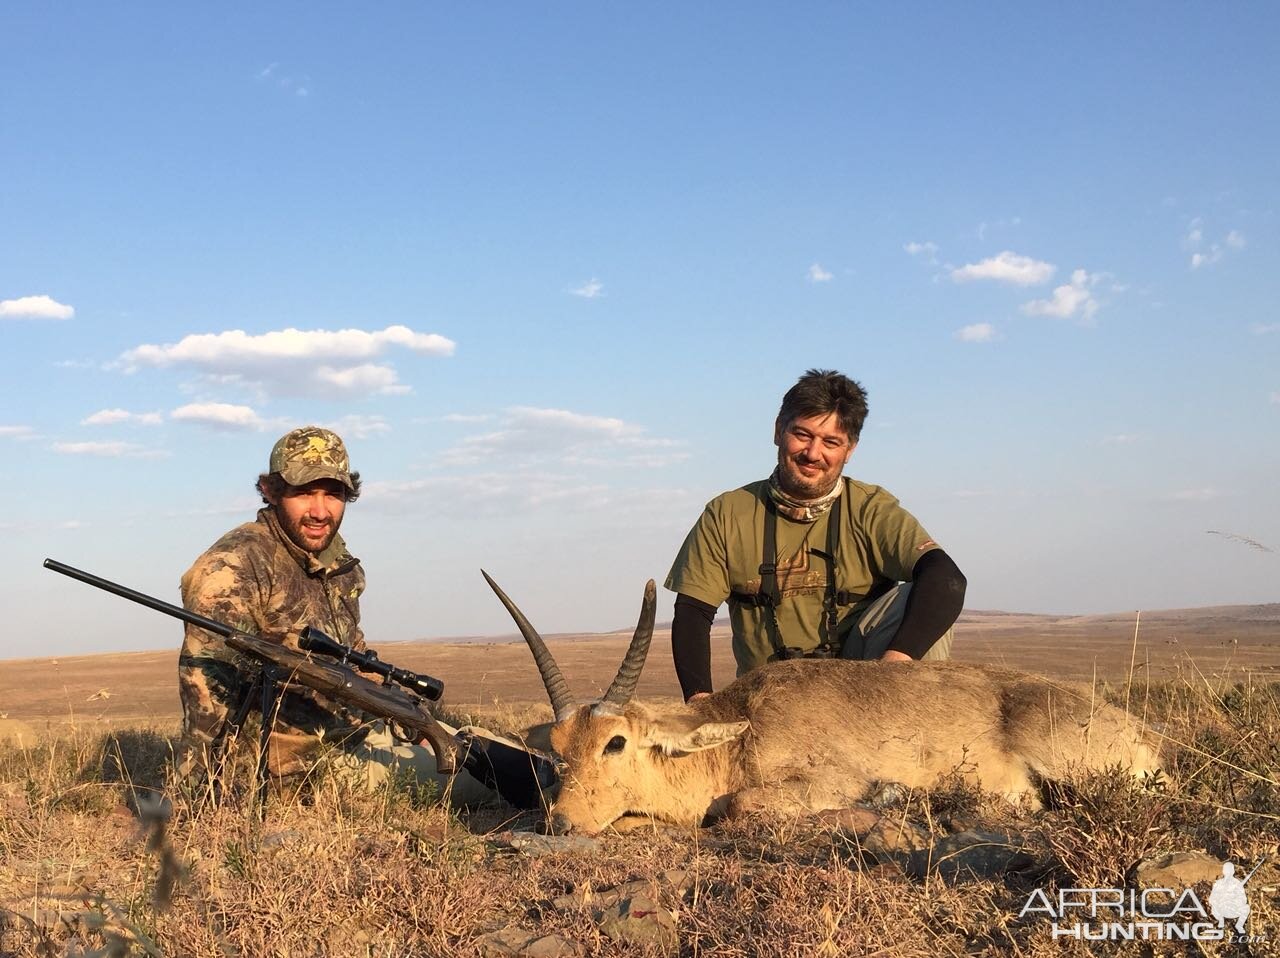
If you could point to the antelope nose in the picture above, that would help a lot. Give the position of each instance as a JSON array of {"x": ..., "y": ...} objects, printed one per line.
[{"x": 559, "y": 823}]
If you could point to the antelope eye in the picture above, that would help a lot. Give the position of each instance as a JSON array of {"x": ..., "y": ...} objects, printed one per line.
[{"x": 616, "y": 744}]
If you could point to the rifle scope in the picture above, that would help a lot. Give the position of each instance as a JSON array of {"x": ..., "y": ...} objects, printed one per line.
[{"x": 313, "y": 640}]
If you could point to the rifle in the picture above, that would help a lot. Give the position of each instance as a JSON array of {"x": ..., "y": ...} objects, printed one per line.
[{"x": 399, "y": 703}]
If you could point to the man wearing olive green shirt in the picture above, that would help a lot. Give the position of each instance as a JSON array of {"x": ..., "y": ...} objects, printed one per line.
[{"x": 771, "y": 547}]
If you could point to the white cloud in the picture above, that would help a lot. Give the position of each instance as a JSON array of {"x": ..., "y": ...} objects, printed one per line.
[
  {"x": 235, "y": 348},
  {"x": 817, "y": 274},
  {"x": 34, "y": 307},
  {"x": 109, "y": 417},
  {"x": 291, "y": 361},
  {"x": 981, "y": 231},
  {"x": 41, "y": 526},
  {"x": 591, "y": 289},
  {"x": 1205, "y": 494},
  {"x": 236, "y": 506},
  {"x": 17, "y": 432},
  {"x": 559, "y": 435},
  {"x": 1006, "y": 267},
  {"x": 1262, "y": 329},
  {"x": 288, "y": 83},
  {"x": 506, "y": 492},
  {"x": 1119, "y": 439},
  {"x": 365, "y": 379},
  {"x": 219, "y": 415},
  {"x": 359, "y": 427},
  {"x": 1195, "y": 234},
  {"x": 567, "y": 421},
  {"x": 1068, "y": 299},
  {"x": 976, "y": 333},
  {"x": 928, "y": 249},
  {"x": 111, "y": 450},
  {"x": 1202, "y": 255},
  {"x": 467, "y": 418},
  {"x": 972, "y": 493}
]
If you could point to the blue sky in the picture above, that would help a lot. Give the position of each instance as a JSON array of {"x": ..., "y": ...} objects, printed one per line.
[{"x": 549, "y": 270}]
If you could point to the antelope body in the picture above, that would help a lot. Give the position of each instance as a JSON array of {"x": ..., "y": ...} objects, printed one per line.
[{"x": 811, "y": 734}]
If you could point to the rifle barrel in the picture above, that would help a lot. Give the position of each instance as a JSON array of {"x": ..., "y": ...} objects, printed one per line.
[
  {"x": 106, "y": 585},
  {"x": 1255, "y": 868}
]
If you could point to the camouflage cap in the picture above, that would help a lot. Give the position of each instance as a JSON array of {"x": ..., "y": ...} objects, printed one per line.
[{"x": 310, "y": 453}]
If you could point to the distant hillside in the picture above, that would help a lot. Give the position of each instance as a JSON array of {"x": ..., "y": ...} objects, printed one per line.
[{"x": 1249, "y": 618}]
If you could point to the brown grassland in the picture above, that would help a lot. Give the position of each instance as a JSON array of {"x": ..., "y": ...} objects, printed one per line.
[{"x": 101, "y": 855}]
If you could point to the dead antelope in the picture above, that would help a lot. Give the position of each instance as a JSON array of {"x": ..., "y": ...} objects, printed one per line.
[{"x": 811, "y": 734}]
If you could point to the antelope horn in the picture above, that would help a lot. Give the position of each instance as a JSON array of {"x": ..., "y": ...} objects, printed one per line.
[
  {"x": 624, "y": 684},
  {"x": 562, "y": 702}
]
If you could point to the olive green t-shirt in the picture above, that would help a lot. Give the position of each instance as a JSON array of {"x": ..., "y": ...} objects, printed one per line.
[{"x": 878, "y": 544}]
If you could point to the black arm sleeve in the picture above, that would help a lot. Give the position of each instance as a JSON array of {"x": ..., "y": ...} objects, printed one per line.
[
  {"x": 691, "y": 644},
  {"x": 933, "y": 605}
]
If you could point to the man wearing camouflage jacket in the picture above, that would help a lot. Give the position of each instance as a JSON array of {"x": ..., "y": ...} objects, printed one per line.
[{"x": 272, "y": 577}]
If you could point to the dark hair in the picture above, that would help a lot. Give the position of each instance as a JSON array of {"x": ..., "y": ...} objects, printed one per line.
[
  {"x": 272, "y": 484},
  {"x": 820, "y": 392}
]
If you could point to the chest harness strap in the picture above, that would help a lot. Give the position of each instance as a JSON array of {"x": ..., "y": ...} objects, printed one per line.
[{"x": 769, "y": 595}]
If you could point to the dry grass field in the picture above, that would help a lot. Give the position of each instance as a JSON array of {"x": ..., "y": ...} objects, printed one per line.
[{"x": 101, "y": 855}]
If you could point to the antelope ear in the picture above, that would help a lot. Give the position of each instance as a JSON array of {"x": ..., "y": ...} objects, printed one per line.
[{"x": 708, "y": 735}]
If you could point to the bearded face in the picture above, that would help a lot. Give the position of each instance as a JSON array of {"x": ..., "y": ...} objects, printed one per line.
[
  {"x": 812, "y": 452},
  {"x": 310, "y": 515}
]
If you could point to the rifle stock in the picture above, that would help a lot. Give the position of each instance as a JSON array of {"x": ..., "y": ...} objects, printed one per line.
[{"x": 342, "y": 684}]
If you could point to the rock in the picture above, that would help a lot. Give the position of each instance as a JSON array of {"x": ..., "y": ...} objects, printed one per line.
[
  {"x": 511, "y": 941},
  {"x": 857, "y": 820},
  {"x": 639, "y": 920},
  {"x": 535, "y": 845},
  {"x": 677, "y": 878},
  {"x": 972, "y": 854},
  {"x": 601, "y": 898},
  {"x": 1179, "y": 870},
  {"x": 889, "y": 871},
  {"x": 894, "y": 836},
  {"x": 552, "y": 946}
]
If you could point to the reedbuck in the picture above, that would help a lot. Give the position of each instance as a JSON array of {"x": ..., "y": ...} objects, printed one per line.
[{"x": 811, "y": 734}]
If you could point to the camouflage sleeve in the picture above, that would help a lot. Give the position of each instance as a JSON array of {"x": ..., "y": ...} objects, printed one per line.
[
  {"x": 352, "y": 604},
  {"x": 212, "y": 678}
]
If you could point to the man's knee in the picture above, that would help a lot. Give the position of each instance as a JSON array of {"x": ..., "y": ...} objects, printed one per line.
[
  {"x": 877, "y": 627},
  {"x": 940, "y": 651},
  {"x": 380, "y": 758}
]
